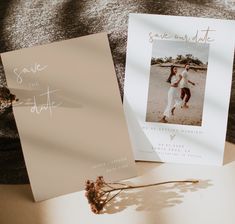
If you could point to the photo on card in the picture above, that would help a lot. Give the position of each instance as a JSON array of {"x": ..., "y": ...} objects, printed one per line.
[{"x": 177, "y": 82}]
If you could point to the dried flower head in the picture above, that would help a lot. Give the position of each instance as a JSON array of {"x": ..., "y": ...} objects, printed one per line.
[
  {"x": 95, "y": 194},
  {"x": 6, "y": 98},
  {"x": 99, "y": 192}
]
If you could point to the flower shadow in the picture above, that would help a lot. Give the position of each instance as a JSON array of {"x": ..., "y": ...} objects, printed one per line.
[{"x": 153, "y": 198}]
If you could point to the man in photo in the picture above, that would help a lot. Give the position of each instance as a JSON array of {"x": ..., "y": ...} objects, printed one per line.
[{"x": 184, "y": 85}]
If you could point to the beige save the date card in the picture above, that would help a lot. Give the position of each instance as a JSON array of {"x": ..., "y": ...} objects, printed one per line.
[{"x": 69, "y": 114}]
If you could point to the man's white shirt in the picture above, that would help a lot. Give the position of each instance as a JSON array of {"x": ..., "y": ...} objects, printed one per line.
[{"x": 184, "y": 81}]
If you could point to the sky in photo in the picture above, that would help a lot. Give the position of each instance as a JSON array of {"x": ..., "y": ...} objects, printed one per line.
[{"x": 166, "y": 48}]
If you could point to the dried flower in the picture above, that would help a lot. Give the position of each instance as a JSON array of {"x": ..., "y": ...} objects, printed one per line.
[
  {"x": 99, "y": 193},
  {"x": 6, "y": 98}
]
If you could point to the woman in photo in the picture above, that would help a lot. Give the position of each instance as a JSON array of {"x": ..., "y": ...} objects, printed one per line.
[{"x": 173, "y": 95}]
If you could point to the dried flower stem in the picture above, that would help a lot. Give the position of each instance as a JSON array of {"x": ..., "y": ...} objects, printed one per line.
[
  {"x": 128, "y": 187},
  {"x": 99, "y": 192}
]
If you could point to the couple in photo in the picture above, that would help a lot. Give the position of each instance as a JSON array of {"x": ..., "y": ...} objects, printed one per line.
[{"x": 179, "y": 92}]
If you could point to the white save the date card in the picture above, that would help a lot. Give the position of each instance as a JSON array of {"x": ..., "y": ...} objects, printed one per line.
[{"x": 177, "y": 87}]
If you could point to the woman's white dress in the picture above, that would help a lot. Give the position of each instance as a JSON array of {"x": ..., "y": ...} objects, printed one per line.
[{"x": 173, "y": 98}]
